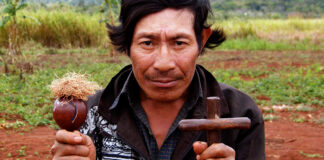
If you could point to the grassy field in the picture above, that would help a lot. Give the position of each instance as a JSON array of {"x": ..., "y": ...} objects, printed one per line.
[
  {"x": 60, "y": 29},
  {"x": 270, "y": 78},
  {"x": 277, "y": 62},
  {"x": 70, "y": 29}
]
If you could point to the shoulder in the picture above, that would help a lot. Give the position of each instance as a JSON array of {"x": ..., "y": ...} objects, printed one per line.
[
  {"x": 240, "y": 104},
  {"x": 108, "y": 94},
  {"x": 93, "y": 100},
  {"x": 235, "y": 96}
]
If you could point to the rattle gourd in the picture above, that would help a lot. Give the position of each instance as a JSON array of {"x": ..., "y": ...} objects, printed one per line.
[{"x": 71, "y": 91}]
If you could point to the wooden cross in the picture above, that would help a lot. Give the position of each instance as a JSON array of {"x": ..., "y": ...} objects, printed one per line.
[{"x": 213, "y": 124}]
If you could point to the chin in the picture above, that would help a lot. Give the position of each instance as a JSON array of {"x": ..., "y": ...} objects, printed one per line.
[{"x": 164, "y": 97}]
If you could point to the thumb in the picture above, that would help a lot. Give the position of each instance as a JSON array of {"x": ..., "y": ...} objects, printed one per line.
[{"x": 199, "y": 147}]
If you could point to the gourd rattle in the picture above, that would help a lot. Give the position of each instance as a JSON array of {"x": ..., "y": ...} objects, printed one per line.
[{"x": 71, "y": 91}]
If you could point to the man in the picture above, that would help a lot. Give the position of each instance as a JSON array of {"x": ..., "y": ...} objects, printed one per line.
[{"x": 136, "y": 115}]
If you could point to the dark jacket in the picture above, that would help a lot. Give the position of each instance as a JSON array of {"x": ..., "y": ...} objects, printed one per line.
[{"x": 114, "y": 123}]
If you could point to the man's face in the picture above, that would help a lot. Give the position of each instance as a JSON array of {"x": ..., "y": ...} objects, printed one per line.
[{"x": 163, "y": 53}]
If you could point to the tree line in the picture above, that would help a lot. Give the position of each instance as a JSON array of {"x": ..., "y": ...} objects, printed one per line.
[
  {"x": 269, "y": 8},
  {"x": 231, "y": 8}
]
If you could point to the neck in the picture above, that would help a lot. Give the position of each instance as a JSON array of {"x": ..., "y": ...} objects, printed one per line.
[
  {"x": 162, "y": 107},
  {"x": 161, "y": 115}
]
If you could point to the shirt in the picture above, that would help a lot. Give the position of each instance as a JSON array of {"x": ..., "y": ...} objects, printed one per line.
[{"x": 132, "y": 91}]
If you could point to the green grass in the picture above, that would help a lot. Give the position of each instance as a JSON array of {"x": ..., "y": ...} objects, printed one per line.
[
  {"x": 30, "y": 100},
  {"x": 288, "y": 86},
  {"x": 270, "y": 117},
  {"x": 61, "y": 28},
  {"x": 254, "y": 43},
  {"x": 310, "y": 155},
  {"x": 66, "y": 28},
  {"x": 270, "y": 28}
]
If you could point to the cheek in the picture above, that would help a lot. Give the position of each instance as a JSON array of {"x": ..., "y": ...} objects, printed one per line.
[
  {"x": 187, "y": 63},
  {"x": 141, "y": 63}
]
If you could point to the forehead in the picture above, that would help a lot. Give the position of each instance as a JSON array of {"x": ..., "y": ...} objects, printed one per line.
[{"x": 166, "y": 21}]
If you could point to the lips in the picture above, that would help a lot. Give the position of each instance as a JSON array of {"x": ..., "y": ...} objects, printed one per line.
[{"x": 164, "y": 83}]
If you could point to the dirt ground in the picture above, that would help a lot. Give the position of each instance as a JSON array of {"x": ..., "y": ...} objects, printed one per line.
[{"x": 285, "y": 140}]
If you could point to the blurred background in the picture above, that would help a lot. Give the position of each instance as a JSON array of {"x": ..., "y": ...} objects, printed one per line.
[{"x": 274, "y": 52}]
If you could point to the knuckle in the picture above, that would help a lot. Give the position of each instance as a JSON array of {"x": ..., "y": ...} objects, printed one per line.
[
  {"x": 59, "y": 134},
  {"x": 221, "y": 144},
  {"x": 216, "y": 145},
  {"x": 88, "y": 140}
]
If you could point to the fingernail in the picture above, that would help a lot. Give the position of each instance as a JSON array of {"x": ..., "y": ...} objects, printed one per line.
[
  {"x": 198, "y": 157},
  {"x": 78, "y": 139}
]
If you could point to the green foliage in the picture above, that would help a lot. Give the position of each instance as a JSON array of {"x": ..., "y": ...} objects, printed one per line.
[
  {"x": 245, "y": 30},
  {"x": 302, "y": 108},
  {"x": 59, "y": 29},
  {"x": 299, "y": 119},
  {"x": 11, "y": 7},
  {"x": 265, "y": 34},
  {"x": 286, "y": 86},
  {"x": 4, "y": 21},
  {"x": 21, "y": 151},
  {"x": 14, "y": 125},
  {"x": 266, "y": 8},
  {"x": 310, "y": 155},
  {"x": 31, "y": 99},
  {"x": 270, "y": 117},
  {"x": 66, "y": 28}
]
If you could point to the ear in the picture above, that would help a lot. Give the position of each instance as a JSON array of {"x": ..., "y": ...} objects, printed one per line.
[{"x": 206, "y": 32}]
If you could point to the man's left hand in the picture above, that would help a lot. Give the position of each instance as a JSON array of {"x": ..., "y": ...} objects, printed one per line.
[{"x": 216, "y": 151}]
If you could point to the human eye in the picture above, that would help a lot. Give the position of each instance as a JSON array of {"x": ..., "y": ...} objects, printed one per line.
[
  {"x": 179, "y": 43},
  {"x": 146, "y": 44}
]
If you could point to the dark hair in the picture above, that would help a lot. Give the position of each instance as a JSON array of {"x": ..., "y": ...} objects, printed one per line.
[{"x": 133, "y": 10}]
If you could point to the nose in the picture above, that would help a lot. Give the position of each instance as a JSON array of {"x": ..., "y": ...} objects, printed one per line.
[{"x": 164, "y": 60}]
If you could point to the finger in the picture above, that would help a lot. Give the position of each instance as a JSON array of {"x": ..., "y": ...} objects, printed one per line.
[
  {"x": 217, "y": 150},
  {"x": 85, "y": 140},
  {"x": 63, "y": 136},
  {"x": 199, "y": 147},
  {"x": 71, "y": 158},
  {"x": 60, "y": 150}
]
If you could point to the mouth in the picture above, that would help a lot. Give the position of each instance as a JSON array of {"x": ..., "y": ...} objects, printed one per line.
[{"x": 165, "y": 83}]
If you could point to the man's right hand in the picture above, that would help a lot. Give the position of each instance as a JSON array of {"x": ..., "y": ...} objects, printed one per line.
[{"x": 73, "y": 145}]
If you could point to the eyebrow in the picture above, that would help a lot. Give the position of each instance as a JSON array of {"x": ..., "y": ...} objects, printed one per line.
[
  {"x": 181, "y": 35},
  {"x": 151, "y": 35}
]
